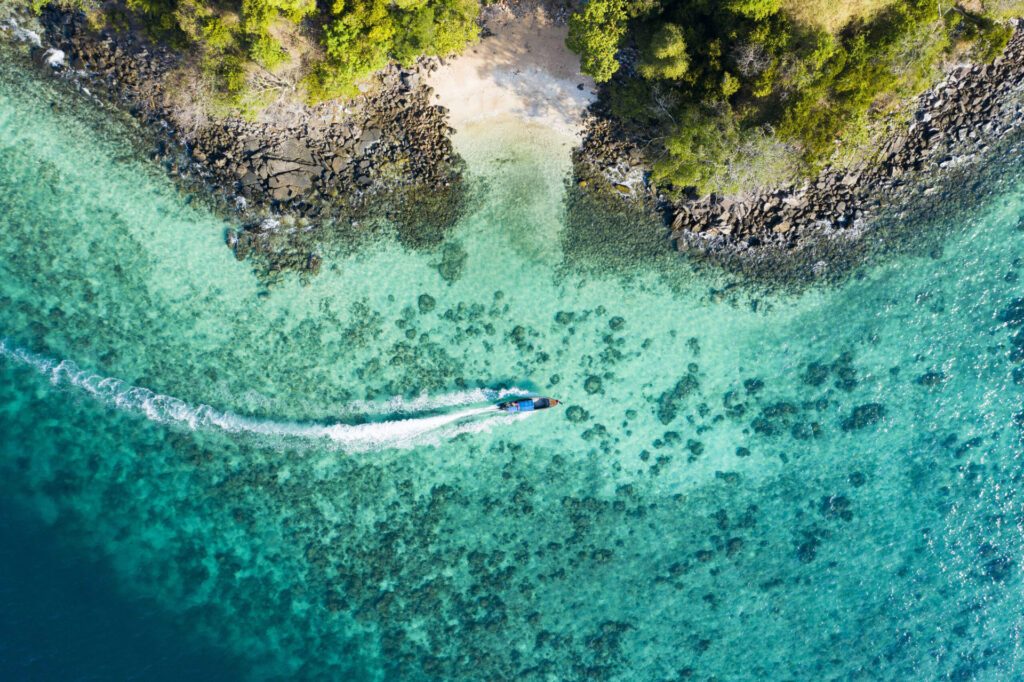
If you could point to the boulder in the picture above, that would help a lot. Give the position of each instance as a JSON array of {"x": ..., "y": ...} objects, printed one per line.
[
  {"x": 369, "y": 139},
  {"x": 296, "y": 180},
  {"x": 294, "y": 151},
  {"x": 338, "y": 163},
  {"x": 281, "y": 194},
  {"x": 249, "y": 178},
  {"x": 279, "y": 167}
]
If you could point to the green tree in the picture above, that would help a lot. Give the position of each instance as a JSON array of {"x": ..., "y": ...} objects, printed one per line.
[
  {"x": 257, "y": 17},
  {"x": 364, "y": 35},
  {"x": 754, "y": 9},
  {"x": 730, "y": 85},
  {"x": 358, "y": 42},
  {"x": 433, "y": 27},
  {"x": 665, "y": 57},
  {"x": 595, "y": 35},
  {"x": 698, "y": 147}
]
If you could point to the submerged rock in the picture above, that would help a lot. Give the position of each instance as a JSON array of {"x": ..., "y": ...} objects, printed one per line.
[
  {"x": 816, "y": 374},
  {"x": 576, "y": 414},
  {"x": 835, "y": 507},
  {"x": 863, "y": 416},
  {"x": 670, "y": 402},
  {"x": 453, "y": 260},
  {"x": 931, "y": 378},
  {"x": 753, "y": 386},
  {"x": 426, "y": 303},
  {"x": 807, "y": 551},
  {"x": 1013, "y": 314}
]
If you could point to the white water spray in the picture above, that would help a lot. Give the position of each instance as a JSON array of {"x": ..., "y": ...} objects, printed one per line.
[
  {"x": 401, "y": 433},
  {"x": 426, "y": 403}
]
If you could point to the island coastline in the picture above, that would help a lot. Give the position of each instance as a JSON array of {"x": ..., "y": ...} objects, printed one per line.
[
  {"x": 330, "y": 172},
  {"x": 825, "y": 226}
]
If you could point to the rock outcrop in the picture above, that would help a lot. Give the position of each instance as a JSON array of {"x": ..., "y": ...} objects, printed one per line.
[
  {"x": 974, "y": 109},
  {"x": 328, "y": 169}
]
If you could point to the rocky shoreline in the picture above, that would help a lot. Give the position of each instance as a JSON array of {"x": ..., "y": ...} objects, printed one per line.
[
  {"x": 314, "y": 179},
  {"x": 818, "y": 229},
  {"x": 299, "y": 185}
]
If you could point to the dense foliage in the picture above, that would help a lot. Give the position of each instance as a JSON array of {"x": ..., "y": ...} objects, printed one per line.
[
  {"x": 736, "y": 91},
  {"x": 362, "y": 35},
  {"x": 242, "y": 45}
]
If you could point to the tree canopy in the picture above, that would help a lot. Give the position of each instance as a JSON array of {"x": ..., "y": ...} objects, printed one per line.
[
  {"x": 665, "y": 56},
  {"x": 716, "y": 78},
  {"x": 595, "y": 34},
  {"x": 234, "y": 39}
]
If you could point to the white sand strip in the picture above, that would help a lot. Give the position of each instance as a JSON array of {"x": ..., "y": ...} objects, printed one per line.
[{"x": 523, "y": 70}]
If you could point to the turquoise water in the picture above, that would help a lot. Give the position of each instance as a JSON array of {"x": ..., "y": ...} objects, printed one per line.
[{"x": 304, "y": 483}]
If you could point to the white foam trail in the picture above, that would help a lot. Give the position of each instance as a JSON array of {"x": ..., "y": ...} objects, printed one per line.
[
  {"x": 369, "y": 436},
  {"x": 425, "y": 402}
]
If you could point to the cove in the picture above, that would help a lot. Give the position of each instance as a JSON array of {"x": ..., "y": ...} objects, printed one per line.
[{"x": 741, "y": 485}]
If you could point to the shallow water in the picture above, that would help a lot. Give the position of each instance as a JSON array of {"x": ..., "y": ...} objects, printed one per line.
[{"x": 305, "y": 484}]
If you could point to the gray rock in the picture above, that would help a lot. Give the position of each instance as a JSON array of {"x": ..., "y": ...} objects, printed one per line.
[
  {"x": 294, "y": 179},
  {"x": 338, "y": 163},
  {"x": 293, "y": 150},
  {"x": 249, "y": 179},
  {"x": 368, "y": 140},
  {"x": 282, "y": 194},
  {"x": 279, "y": 167},
  {"x": 410, "y": 80}
]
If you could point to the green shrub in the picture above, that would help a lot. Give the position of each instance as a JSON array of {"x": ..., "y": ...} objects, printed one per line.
[
  {"x": 81, "y": 5},
  {"x": 267, "y": 52},
  {"x": 218, "y": 35},
  {"x": 365, "y": 34},
  {"x": 730, "y": 85},
  {"x": 988, "y": 38}
]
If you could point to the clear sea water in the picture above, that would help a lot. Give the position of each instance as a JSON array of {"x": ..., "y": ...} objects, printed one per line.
[{"x": 202, "y": 478}]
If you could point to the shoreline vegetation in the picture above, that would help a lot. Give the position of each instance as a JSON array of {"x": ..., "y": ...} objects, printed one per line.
[
  {"x": 822, "y": 227},
  {"x": 734, "y": 94},
  {"x": 769, "y": 135}
]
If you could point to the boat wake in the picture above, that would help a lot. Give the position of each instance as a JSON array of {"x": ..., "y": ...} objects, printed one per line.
[
  {"x": 374, "y": 435},
  {"x": 428, "y": 403}
]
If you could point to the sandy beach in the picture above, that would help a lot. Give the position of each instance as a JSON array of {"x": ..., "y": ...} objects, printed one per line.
[{"x": 521, "y": 69}]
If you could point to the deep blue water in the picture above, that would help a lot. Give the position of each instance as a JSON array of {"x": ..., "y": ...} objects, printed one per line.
[{"x": 64, "y": 617}]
